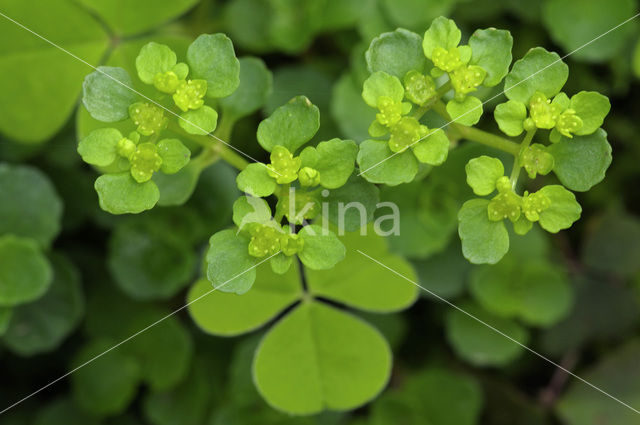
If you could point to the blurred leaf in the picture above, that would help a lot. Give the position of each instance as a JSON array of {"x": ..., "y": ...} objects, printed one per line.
[
  {"x": 63, "y": 411},
  {"x": 42, "y": 325},
  {"x": 226, "y": 314},
  {"x": 352, "y": 115},
  {"x": 320, "y": 358},
  {"x": 256, "y": 83},
  {"x": 362, "y": 194},
  {"x": 34, "y": 112},
  {"x": 444, "y": 273},
  {"x": 360, "y": 283},
  {"x": 321, "y": 249},
  {"x": 415, "y": 14},
  {"x": 29, "y": 204},
  {"x": 618, "y": 374}
]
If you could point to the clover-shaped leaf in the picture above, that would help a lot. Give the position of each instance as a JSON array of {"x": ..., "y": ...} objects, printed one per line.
[
  {"x": 121, "y": 194},
  {"x": 592, "y": 108},
  {"x": 492, "y": 51},
  {"x": 154, "y": 59},
  {"x": 380, "y": 84},
  {"x": 333, "y": 159},
  {"x": 483, "y": 240},
  {"x": 212, "y": 58},
  {"x": 466, "y": 112},
  {"x": 538, "y": 71},
  {"x": 563, "y": 211},
  {"x": 291, "y": 125},
  {"x": 230, "y": 268},
  {"x": 482, "y": 174},
  {"x": 396, "y": 53},
  {"x": 256, "y": 181},
  {"x": 442, "y": 33},
  {"x": 322, "y": 249},
  {"x": 106, "y": 93},
  {"x": 510, "y": 116},
  {"x": 379, "y": 165}
]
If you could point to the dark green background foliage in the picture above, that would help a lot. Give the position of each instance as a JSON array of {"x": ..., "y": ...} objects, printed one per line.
[{"x": 78, "y": 280}]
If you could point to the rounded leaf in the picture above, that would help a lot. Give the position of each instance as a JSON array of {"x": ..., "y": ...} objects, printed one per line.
[
  {"x": 153, "y": 59},
  {"x": 174, "y": 155},
  {"x": 442, "y": 33},
  {"x": 483, "y": 240},
  {"x": 107, "y": 94},
  {"x": 382, "y": 84},
  {"x": 256, "y": 83},
  {"x": 563, "y": 211},
  {"x": 334, "y": 159},
  {"x": 592, "y": 108},
  {"x": 256, "y": 181},
  {"x": 121, "y": 194},
  {"x": 433, "y": 149},
  {"x": 291, "y": 125},
  {"x": 379, "y": 165},
  {"x": 539, "y": 70},
  {"x": 202, "y": 121},
  {"x": 230, "y": 268},
  {"x": 482, "y": 174},
  {"x": 510, "y": 117},
  {"x": 396, "y": 53},
  {"x": 100, "y": 147},
  {"x": 491, "y": 50},
  {"x": 318, "y": 357},
  {"x": 467, "y": 112},
  {"x": 25, "y": 273},
  {"x": 211, "y": 57}
]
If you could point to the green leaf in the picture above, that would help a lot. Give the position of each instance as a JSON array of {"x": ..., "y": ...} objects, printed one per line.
[
  {"x": 121, "y": 194},
  {"x": 291, "y": 125},
  {"x": 256, "y": 83},
  {"x": 174, "y": 155},
  {"x": 396, "y": 53},
  {"x": 581, "y": 162},
  {"x": 322, "y": 249},
  {"x": 591, "y": 107},
  {"x": 444, "y": 273},
  {"x": 153, "y": 59},
  {"x": 62, "y": 411},
  {"x": 360, "y": 283},
  {"x": 230, "y": 268},
  {"x": 224, "y": 314},
  {"x": 249, "y": 209},
  {"x": 130, "y": 18},
  {"x": 176, "y": 189},
  {"x": 433, "y": 149},
  {"x": 482, "y": 174},
  {"x": 352, "y": 217},
  {"x": 510, "y": 117},
  {"x": 281, "y": 263},
  {"x": 256, "y": 181},
  {"x": 106, "y": 93},
  {"x": 442, "y": 33},
  {"x": 379, "y": 165},
  {"x": 148, "y": 262},
  {"x": 31, "y": 112},
  {"x": 202, "y": 121},
  {"x": 100, "y": 147},
  {"x": 382, "y": 84},
  {"x": 29, "y": 204},
  {"x": 492, "y": 51},
  {"x": 320, "y": 358},
  {"x": 334, "y": 159},
  {"x": 42, "y": 325},
  {"x": 534, "y": 290},
  {"x": 483, "y": 241},
  {"x": 110, "y": 384},
  {"x": 479, "y": 344},
  {"x": 564, "y": 209},
  {"x": 351, "y": 114},
  {"x": 25, "y": 273},
  {"x": 5, "y": 318},
  {"x": 539, "y": 70},
  {"x": 618, "y": 373},
  {"x": 576, "y": 26},
  {"x": 211, "y": 57},
  {"x": 467, "y": 112}
]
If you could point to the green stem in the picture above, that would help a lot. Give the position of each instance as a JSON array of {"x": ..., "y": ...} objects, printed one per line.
[
  {"x": 477, "y": 135},
  {"x": 517, "y": 163}
]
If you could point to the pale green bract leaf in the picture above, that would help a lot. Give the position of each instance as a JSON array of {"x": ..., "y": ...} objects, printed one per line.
[
  {"x": 539, "y": 70},
  {"x": 467, "y": 112},
  {"x": 281, "y": 263},
  {"x": 230, "y": 268},
  {"x": 510, "y": 116},
  {"x": 256, "y": 181},
  {"x": 224, "y": 314},
  {"x": 483, "y": 240},
  {"x": 592, "y": 108},
  {"x": 322, "y": 249},
  {"x": 291, "y": 125},
  {"x": 382, "y": 84},
  {"x": 212, "y": 58},
  {"x": 174, "y": 155},
  {"x": 25, "y": 273},
  {"x": 318, "y": 357},
  {"x": 121, "y": 194},
  {"x": 153, "y": 59},
  {"x": 492, "y": 51},
  {"x": 379, "y": 165},
  {"x": 433, "y": 149},
  {"x": 202, "y": 121},
  {"x": 249, "y": 209},
  {"x": 582, "y": 161},
  {"x": 396, "y": 53},
  {"x": 482, "y": 174},
  {"x": 334, "y": 159},
  {"x": 107, "y": 94},
  {"x": 362, "y": 284},
  {"x": 99, "y": 147},
  {"x": 443, "y": 33},
  {"x": 256, "y": 83},
  {"x": 563, "y": 211}
]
